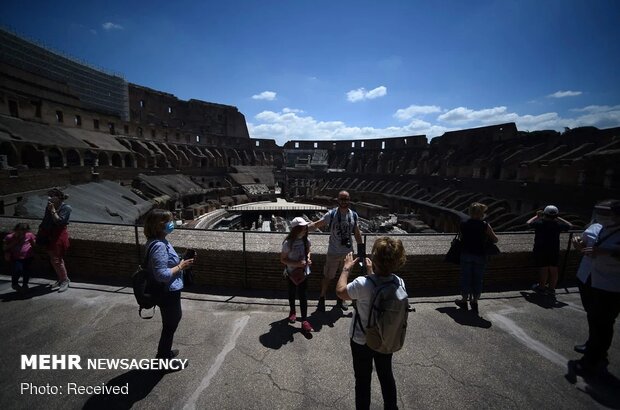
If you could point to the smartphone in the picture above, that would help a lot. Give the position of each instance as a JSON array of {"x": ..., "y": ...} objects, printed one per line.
[{"x": 189, "y": 254}]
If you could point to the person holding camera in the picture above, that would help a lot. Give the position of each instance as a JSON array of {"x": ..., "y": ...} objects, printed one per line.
[
  {"x": 167, "y": 268},
  {"x": 388, "y": 255},
  {"x": 547, "y": 227},
  {"x": 54, "y": 236},
  {"x": 342, "y": 224}
]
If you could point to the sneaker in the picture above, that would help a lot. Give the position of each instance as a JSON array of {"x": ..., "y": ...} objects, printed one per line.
[
  {"x": 550, "y": 292},
  {"x": 292, "y": 317},
  {"x": 64, "y": 285},
  {"x": 56, "y": 285},
  {"x": 321, "y": 306},
  {"x": 539, "y": 289},
  {"x": 474, "y": 306},
  {"x": 306, "y": 326},
  {"x": 16, "y": 288},
  {"x": 342, "y": 305},
  {"x": 461, "y": 303},
  {"x": 25, "y": 288}
]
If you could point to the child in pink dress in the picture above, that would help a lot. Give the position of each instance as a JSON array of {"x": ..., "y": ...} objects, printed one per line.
[{"x": 18, "y": 250}]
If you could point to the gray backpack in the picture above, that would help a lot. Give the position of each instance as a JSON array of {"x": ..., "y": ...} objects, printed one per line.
[{"x": 387, "y": 320}]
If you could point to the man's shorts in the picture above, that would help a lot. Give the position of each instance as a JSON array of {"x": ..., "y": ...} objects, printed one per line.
[{"x": 333, "y": 264}]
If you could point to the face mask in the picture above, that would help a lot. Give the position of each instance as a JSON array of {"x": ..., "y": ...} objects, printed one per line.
[{"x": 169, "y": 227}]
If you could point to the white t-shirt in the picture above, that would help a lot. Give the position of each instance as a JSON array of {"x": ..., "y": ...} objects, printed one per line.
[
  {"x": 361, "y": 290},
  {"x": 297, "y": 252}
]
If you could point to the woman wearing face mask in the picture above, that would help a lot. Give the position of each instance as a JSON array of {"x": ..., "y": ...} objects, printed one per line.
[
  {"x": 53, "y": 231},
  {"x": 604, "y": 290},
  {"x": 295, "y": 255},
  {"x": 167, "y": 268}
]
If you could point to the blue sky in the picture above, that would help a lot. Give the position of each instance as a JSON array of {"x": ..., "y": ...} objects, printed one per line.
[{"x": 354, "y": 69}]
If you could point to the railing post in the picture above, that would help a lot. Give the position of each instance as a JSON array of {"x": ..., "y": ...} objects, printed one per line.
[{"x": 245, "y": 263}]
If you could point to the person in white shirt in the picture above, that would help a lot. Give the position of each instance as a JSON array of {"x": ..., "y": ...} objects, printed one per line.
[
  {"x": 388, "y": 255},
  {"x": 604, "y": 300}
]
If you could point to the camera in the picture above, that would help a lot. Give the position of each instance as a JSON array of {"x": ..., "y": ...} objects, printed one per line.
[
  {"x": 346, "y": 242},
  {"x": 189, "y": 254}
]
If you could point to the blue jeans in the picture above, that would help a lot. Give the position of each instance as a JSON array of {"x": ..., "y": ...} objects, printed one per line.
[
  {"x": 472, "y": 269},
  {"x": 20, "y": 267}
]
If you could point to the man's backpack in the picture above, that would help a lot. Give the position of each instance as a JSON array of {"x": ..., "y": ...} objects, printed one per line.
[
  {"x": 146, "y": 289},
  {"x": 387, "y": 318}
]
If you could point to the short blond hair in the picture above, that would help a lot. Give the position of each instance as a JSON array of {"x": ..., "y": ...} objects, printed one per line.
[
  {"x": 388, "y": 254},
  {"x": 477, "y": 210},
  {"x": 155, "y": 221}
]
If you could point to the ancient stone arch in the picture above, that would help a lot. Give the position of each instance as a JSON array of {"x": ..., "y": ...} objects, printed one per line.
[
  {"x": 55, "y": 158},
  {"x": 103, "y": 159},
  {"x": 129, "y": 161},
  {"x": 90, "y": 158},
  {"x": 32, "y": 157},
  {"x": 74, "y": 159},
  {"x": 8, "y": 149},
  {"x": 117, "y": 160}
]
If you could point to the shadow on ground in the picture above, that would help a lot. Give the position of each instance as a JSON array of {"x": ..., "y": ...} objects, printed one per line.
[
  {"x": 603, "y": 388},
  {"x": 33, "y": 292},
  {"x": 544, "y": 301},
  {"x": 140, "y": 383},
  {"x": 465, "y": 317}
]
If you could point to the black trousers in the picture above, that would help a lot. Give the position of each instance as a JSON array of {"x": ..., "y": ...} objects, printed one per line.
[
  {"x": 363, "y": 357},
  {"x": 602, "y": 311},
  {"x": 302, "y": 291},
  {"x": 171, "y": 314}
]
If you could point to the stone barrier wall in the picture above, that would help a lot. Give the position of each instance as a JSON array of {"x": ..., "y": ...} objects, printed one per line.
[{"x": 108, "y": 253}]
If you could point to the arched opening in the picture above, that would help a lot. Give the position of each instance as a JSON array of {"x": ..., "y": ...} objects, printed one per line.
[
  {"x": 129, "y": 162},
  {"x": 104, "y": 159},
  {"x": 117, "y": 161},
  {"x": 8, "y": 149},
  {"x": 32, "y": 157},
  {"x": 89, "y": 158},
  {"x": 73, "y": 158},
  {"x": 55, "y": 158}
]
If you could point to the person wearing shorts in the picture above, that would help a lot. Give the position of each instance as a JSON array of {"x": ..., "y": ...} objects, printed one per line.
[{"x": 342, "y": 225}]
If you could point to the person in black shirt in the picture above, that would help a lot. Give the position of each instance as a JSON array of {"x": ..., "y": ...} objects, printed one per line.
[
  {"x": 475, "y": 234},
  {"x": 547, "y": 226}
]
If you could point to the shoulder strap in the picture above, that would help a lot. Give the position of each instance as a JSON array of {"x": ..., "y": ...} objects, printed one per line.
[
  {"x": 358, "y": 320},
  {"x": 332, "y": 215}
]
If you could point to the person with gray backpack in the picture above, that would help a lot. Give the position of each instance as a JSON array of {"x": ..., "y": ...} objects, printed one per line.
[{"x": 379, "y": 325}]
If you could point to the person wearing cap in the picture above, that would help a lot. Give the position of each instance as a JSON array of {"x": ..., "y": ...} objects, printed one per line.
[
  {"x": 296, "y": 254},
  {"x": 603, "y": 290},
  {"x": 53, "y": 231},
  {"x": 342, "y": 224},
  {"x": 547, "y": 227}
]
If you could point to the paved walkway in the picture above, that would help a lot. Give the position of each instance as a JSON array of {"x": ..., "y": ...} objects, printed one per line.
[{"x": 244, "y": 355}]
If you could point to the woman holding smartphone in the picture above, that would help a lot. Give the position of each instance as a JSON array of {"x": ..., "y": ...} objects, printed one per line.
[{"x": 167, "y": 268}]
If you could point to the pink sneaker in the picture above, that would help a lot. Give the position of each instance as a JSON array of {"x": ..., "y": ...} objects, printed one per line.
[
  {"x": 306, "y": 326},
  {"x": 292, "y": 317}
]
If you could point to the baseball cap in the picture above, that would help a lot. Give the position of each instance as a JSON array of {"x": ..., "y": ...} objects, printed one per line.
[
  {"x": 551, "y": 210},
  {"x": 298, "y": 221}
]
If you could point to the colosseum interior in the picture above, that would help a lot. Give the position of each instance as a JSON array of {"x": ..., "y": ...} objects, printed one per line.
[{"x": 120, "y": 149}]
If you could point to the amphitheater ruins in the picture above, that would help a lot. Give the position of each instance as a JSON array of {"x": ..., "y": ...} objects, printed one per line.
[{"x": 121, "y": 149}]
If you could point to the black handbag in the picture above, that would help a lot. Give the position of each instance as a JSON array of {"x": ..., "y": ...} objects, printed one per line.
[
  {"x": 491, "y": 249},
  {"x": 454, "y": 253}
]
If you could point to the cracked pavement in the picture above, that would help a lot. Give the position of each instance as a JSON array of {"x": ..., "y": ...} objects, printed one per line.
[{"x": 243, "y": 353}]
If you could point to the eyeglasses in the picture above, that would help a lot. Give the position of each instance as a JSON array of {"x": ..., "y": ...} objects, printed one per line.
[{"x": 344, "y": 199}]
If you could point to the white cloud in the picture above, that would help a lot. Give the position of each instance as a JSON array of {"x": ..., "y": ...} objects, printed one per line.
[
  {"x": 361, "y": 94},
  {"x": 405, "y": 114},
  {"x": 563, "y": 94},
  {"x": 265, "y": 95},
  {"x": 294, "y": 124},
  {"x": 111, "y": 26}
]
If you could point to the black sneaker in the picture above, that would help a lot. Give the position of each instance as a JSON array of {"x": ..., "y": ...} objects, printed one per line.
[
  {"x": 580, "y": 348},
  {"x": 474, "y": 306}
]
